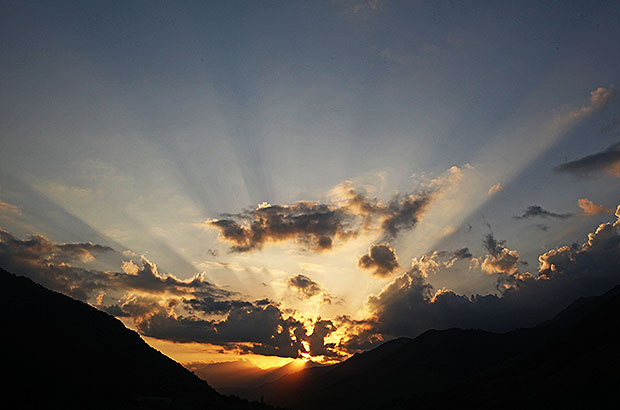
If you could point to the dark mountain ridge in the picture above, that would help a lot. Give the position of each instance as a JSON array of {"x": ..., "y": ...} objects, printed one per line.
[
  {"x": 63, "y": 353},
  {"x": 571, "y": 361}
]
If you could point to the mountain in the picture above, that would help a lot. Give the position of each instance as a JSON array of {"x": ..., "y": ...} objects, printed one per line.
[
  {"x": 242, "y": 378},
  {"x": 571, "y": 361},
  {"x": 62, "y": 353}
]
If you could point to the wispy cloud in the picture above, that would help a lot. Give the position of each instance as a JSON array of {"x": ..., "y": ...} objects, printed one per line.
[
  {"x": 7, "y": 207},
  {"x": 495, "y": 189},
  {"x": 534, "y": 211}
]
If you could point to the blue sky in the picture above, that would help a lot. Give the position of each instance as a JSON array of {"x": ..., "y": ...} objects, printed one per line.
[{"x": 130, "y": 124}]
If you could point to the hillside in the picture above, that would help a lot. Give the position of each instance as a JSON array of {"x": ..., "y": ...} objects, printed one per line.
[{"x": 62, "y": 353}]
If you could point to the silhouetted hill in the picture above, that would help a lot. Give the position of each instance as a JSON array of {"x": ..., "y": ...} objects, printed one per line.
[
  {"x": 62, "y": 353},
  {"x": 572, "y": 361}
]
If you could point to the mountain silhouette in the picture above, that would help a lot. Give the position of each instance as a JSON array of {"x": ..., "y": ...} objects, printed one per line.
[
  {"x": 569, "y": 362},
  {"x": 63, "y": 353}
]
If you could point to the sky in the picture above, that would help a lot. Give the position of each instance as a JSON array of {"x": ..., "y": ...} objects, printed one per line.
[{"x": 303, "y": 180}]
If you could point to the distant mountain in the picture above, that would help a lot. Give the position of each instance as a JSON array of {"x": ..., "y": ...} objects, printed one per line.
[
  {"x": 243, "y": 378},
  {"x": 62, "y": 353},
  {"x": 571, "y": 361}
]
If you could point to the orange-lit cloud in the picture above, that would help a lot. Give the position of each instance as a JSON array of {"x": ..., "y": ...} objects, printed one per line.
[
  {"x": 499, "y": 259},
  {"x": 495, "y": 189},
  {"x": 590, "y": 208},
  {"x": 14, "y": 209}
]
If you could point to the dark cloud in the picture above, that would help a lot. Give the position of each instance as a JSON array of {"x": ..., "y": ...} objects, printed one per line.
[
  {"x": 316, "y": 340},
  {"x": 251, "y": 329},
  {"x": 403, "y": 214},
  {"x": 381, "y": 258},
  {"x": 542, "y": 227},
  {"x": 462, "y": 253},
  {"x": 318, "y": 227},
  {"x": 52, "y": 265},
  {"x": 212, "y": 306},
  {"x": 305, "y": 286},
  {"x": 607, "y": 161},
  {"x": 165, "y": 307},
  {"x": 38, "y": 249},
  {"x": 410, "y": 305},
  {"x": 537, "y": 211},
  {"x": 248, "y": 328}
]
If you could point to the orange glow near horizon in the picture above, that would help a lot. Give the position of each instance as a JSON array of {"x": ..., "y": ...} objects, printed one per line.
[{"x": 205, "y": 353}]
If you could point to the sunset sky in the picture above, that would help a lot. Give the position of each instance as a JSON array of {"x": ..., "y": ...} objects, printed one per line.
[{"x": 286, "y": 180}]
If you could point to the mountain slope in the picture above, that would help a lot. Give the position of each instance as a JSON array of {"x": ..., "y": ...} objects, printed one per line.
[
  {"x": 62, "y": 353},
  {"x": 571, "y": 361}
]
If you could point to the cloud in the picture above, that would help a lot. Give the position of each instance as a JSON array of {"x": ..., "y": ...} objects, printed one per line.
[
  {"x": 410, "y": 305},
  {"x": 495, "y": 189},
  {"x": 40, "y": 250},
  {"x": 600, "y": 97},
  {"x": 537, "y": 211},
  {"x": 316, "y": 340},
  {"x": 257, "y": 328},
  {"x": 250, "y": 328},
  {"x": 306, "y": 288},
  {"x": 604, "y": 162},
  {"x": 542, "y": 227},
  {"x": 53, "y": 265},
  {"x": 403, "y": 213},
  {"x": 590, "y": 208},
  {"x": 462, "y": 253},
  {"x": 319, "y": 227},
  {"x": 381, "y": 258},
  {"x": 165, "y": 307},
  {"x": 499, "y": 259},
  {"x": 314, "y": 225},
  {"x": 14, "y": 209}
]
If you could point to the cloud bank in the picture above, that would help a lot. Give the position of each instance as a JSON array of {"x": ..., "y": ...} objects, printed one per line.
[
  {"x": 165, "y": 307},
  {"x": 410, "y": 305}
]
